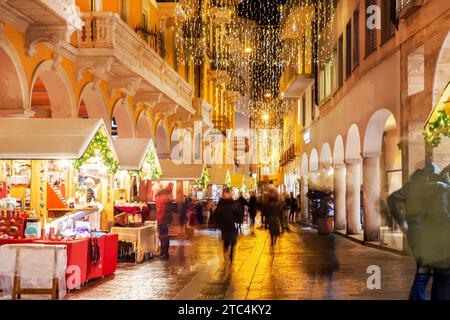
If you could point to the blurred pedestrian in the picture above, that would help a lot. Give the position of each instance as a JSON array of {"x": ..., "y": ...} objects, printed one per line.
[
  {"x": 252, "y": 208},
  {"x": 227, "y": 214},
  {"x": 271, "y": 207},
  {"x": 164, "y": 213},
  {"x": 415, "y": 197},
  {"x": 299, "y": 208},
  {"x": 293, "y": 209}
]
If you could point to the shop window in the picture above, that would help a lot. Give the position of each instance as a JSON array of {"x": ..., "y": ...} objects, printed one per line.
[
  {"x": 355, "y": 38},
  {"x": 348, "y": 50},
  {"x": 313, "y": 104}
]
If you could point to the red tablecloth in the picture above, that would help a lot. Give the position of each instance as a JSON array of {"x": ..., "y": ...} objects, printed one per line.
[
  {"x": 77, "y": 255},
  {"x": 111, "y": 254},
  {"x": 14, "y": 241},
  {"x": 132, "y": 210}
]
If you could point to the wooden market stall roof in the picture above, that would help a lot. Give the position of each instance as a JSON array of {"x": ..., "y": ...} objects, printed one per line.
[
  {"x": 186, "y": 172},
  {"x": 132, "y": 152},
  {"x": 47, "y": 139}
]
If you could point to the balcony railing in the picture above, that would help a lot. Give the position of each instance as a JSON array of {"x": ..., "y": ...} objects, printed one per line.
[
  {"x": 407, "y": 7},
  {"x": 105, "y": 30}
]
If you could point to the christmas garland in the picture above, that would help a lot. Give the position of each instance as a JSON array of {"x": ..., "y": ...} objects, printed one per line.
[
  {"x": 228, "y": 179},
  {"x": 437, "y": 128},
  {"x": 101, "y": 143},
  {"x": 154, "y": 172}
]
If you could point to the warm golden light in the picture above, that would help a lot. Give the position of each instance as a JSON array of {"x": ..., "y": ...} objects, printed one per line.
[
  {"x": 248, "y": 50},
  {"x": 265, "y": 117}
]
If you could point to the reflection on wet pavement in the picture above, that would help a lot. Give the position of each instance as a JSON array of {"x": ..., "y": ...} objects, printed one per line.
[{"x": 305, "y": 265}]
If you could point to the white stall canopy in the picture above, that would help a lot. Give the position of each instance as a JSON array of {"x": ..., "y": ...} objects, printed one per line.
[
  {"x": 132, "y": 152},
  {"x": 47, "y": 139},
  {"x": 185, "y": 172}
]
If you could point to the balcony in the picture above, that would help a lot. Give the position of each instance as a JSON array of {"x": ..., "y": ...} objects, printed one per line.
[
  {"x": 113, "y": 52},
  {"x": 405, "y": 8},
  {"x": 295, "y": 80},
  {"x": 51, "y": 21}
]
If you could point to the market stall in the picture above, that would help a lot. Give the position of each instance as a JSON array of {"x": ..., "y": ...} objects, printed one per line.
[
  {"x": 65, "y": 168},
  {"x": 139, "y": 167}
]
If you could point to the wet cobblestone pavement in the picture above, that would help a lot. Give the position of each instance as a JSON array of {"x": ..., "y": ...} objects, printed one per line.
[{"x": 305, "y": 265}]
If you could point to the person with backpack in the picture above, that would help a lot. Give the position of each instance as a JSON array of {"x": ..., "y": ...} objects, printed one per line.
[
  {"x": 272, "y": 208},
  {"x": 164, "y": 212},
  {"x": 227, "y": 215}
]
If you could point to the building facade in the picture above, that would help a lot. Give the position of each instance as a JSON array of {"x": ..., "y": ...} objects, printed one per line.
[{"x": 389, "y": 66}]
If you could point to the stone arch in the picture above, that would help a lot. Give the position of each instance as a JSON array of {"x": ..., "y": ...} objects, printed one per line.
[
  {"x": 338, "y": 151},
  {"x": 52, "y": 95},
  {"x": 144, "y": 126},
  {"x": 14, "y": 99},
  {"x": 123, "y": 118},
  {"x": 92, "y": 103},
  {"x": 442, "y": 71},
  {"x": 381, "y": 121},
  {"x": 326, "y": 158},
  {"x": 314, "y": 161},
  {"x": 162, "y": 142},
  {"x": 353, "y": 145}
]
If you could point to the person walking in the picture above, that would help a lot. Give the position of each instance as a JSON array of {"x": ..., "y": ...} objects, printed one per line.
[
  {"x": 415, "y": 196},
  {"x": 299, "y": 208},
  {"x": 271, "y": 207},
  {"x": 437, "y": 229},
  {"x": 243, "y": 204},
  {"x": 184, "y": 214},
  {"x": 252, "y": 209},
  {"x": 164, "y": 213},
  {"x": 293, "y": 209},
  {"x": 227, "y": 215}
]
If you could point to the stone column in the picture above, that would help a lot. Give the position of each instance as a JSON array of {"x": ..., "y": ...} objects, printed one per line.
[
  {"x": 353, "y": 196},
  {"x": 372, "y": 189},
  {"x": 304, "y": 193},
  {"x": 340, "y": 220}
]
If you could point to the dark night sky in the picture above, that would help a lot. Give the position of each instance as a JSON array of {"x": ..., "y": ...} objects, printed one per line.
[{"x": 265, "y": 12}]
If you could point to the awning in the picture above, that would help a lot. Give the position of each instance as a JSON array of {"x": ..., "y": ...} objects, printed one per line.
[
  {"x": 47, "y": 139},
  {"x": 186, "y": 172},
  {"x": 132, "y": 152}
]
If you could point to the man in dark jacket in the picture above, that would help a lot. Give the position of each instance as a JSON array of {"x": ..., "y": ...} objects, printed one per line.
[
  {"x": 415, "y": 197},
  {"x": 227, "y": 215}
]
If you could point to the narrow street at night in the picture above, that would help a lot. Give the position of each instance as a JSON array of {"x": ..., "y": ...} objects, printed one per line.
[{"x": 305, "y": 266}]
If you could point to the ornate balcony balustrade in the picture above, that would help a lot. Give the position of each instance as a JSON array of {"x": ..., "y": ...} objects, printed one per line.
[{"x": 111, "y": 50}]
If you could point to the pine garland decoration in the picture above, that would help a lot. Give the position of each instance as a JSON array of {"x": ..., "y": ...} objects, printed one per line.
[
  {"x": 437, "y": 129},
  {"x": 99, "y": 142}
]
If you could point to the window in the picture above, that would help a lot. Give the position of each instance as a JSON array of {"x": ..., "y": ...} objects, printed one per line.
[
  {"x": 355, "y": 38},
  {"x": 299, "y": 112},
  {"x": 341, "y": 61},
  {"x": 348, "y": 50},
  {"x": 371, "y": 34},
  {"x": 304, "y": 110},
  {"x": 114, "y": 129},
  {"x": 95, "y": 5},
  {"x": 124, "y": 10},
  {"x": 387, "y": 20},
  {"x": 322, "y": 80},
  {"x": 313, "y": 104}
]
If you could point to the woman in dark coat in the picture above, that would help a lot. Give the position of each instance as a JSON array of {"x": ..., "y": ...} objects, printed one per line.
[{"x": 227, "y": 215}]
